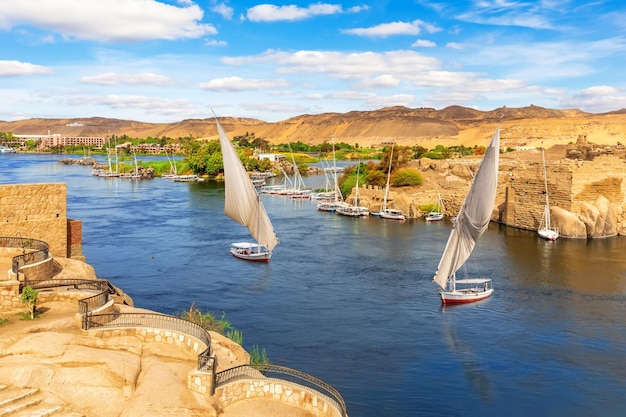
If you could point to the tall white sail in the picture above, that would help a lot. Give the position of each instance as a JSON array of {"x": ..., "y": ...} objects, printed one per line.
[
  {"x": 242, "y": 202},
  {"x": 474, "y": 216}
]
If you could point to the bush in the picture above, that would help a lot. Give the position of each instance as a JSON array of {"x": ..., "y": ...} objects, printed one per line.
[
  {"x": 29, "y": 298},
  {"x": 407, "y": 177},
  {"x": 206, "y": 320}
]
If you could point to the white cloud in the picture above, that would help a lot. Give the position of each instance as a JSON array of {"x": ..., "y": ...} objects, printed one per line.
[
  {"x": 422, "y": 43},
  {"x": 223, "y": 10},
  {"x": 213, "y": 42},
  {"x": 344, "y": 65},
  {"x": 240, "y": 84},
  {"x": 455, "y": 45},
  {"x": 14, "y": 68},
  {"x": 381, "y": 81},
  {"x": 386, "y": 29},
  {"x": 133, "y": 79},
  {"x": 107, "y": 21},
  {"x": 273, "y": 13},
  {"x": 292, "y": 13},
  {"x": 600, "y": 98}
]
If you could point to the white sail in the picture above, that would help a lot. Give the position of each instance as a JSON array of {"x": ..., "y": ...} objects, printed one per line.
[
  {"x": 474, "y": 215},
  {"x": 242, "y": 202}
]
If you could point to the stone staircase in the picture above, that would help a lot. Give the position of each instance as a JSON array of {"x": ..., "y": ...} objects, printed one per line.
[{"x": 29, "y": 402}]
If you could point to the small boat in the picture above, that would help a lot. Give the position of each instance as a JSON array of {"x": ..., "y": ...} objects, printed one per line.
[
  {"x": 472, "y": 221},
  {"x": 546, "y": 230},
  {"x": 353, "y": 210},
  {"x": 6, "y": 149},
  {"x": 386, "y": 212},
  {"x": 133, "y": 175},
  {"x": 334, "y": 199},
  {"x": 243, "y": 204},
  {"x": 437, "y": 215},
  {"x": 185, "y": 178}
]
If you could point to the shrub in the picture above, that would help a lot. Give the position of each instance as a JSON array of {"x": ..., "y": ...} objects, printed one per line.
[
  {"x": 206, "y": 320},
  {"x": 407, "y": 177},
  {"x": 29, "y": 298},
  {"x": 258, "y": 357}
]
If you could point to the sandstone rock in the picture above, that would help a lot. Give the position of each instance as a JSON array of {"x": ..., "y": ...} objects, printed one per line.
[
  {"x": 599, "y": 218},
  {"x": 569, "y": 224}
]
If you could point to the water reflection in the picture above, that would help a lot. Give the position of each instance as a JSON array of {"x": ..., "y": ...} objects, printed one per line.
[
  {"x": 567, "y": 264},
  {"x": 463, "y": 351}
]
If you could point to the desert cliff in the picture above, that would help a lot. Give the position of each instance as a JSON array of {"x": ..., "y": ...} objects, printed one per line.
[{"x": 528, "y": 126}]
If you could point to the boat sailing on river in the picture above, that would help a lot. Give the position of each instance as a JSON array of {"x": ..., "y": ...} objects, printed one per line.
[
  {"x": 472, "y": 221},
  {"x": 243, "y": 205}
]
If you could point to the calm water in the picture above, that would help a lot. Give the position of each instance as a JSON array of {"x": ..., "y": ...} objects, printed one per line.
[{"x": 351, "y": 301}]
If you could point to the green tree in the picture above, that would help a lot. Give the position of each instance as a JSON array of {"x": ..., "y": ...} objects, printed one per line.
[
  {"x": 29, "y": 298},
  {"x": 406, "y": 177}
]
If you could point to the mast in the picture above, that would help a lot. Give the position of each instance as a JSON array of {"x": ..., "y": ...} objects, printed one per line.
[
  {"x": 546, "y": 211},
  {"x": 388, "y": 176}
]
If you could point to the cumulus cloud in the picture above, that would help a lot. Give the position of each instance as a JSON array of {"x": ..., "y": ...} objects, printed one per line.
[
  {"x": 107, "y": 21},
  {"x": 133, "y": 79},
  {"x": 15, "y": 68},
  {"x": 273, "y": 13},
  {"x": 223, "y": 10},
  {"x": 240, "y": 84},
  {"x": 600, "y": 98},
  {"x": 387, "y": 29},
  {"x": 422, "y": 43}
]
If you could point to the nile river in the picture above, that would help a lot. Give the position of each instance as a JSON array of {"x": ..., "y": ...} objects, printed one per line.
[{"x": 351, "y": 302}]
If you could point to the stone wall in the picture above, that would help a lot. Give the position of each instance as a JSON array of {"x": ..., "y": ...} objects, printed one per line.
[
  {"x": 36, "y": 211},
  {"x": 278, "y": 390},
  {"x": 573, "y": 186},
  {"x": 604, "y": 176},
  {"x": 10, "y": 298},
  {"x": 526, "y": 195}
]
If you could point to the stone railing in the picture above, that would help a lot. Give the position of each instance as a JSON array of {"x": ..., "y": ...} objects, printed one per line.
[
  {"x": 35, "y": 260},
  {"x": 282, "y": 384}
]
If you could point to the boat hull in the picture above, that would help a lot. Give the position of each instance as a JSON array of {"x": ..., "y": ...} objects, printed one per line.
[
  {"x": 547, "y": 234},
  {"x": 464, "y": 296},
  {"x": 252, "y": 257},
  {"x": 434, "y": 217}
]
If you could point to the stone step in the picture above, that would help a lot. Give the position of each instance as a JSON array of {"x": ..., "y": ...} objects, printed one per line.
[
  {"x": 40, "y": 410},
  {"x": 15, "y": 394},
  {"x": 19, "y": 404}
]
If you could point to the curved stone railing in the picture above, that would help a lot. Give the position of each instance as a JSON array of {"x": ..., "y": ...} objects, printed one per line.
[
  {"x": 157, "y": 321},
  {"x": 37, "y": 251},
  {"x": 279, "y": 383}
]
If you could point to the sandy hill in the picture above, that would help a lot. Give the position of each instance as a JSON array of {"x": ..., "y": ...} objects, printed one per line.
[{"x": 454, "y": 125}]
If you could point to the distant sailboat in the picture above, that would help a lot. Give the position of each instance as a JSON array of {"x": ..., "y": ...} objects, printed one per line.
[
  {"x": 386, "y": 212},
  {"x": 337, "y": 199},
  {"x": 243, "y": 205},
  {"x": 437, "y": 215},
  {"x": 546, "y": 231},
  {"x": 472, "y": 221},
  {"x": 353, "y": 210}
]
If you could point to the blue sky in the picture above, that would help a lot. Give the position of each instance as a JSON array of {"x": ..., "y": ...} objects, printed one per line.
[{"x": 169, "y": 60}]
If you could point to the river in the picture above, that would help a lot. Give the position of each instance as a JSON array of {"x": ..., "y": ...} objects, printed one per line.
[{"x": 351, "y": 302}]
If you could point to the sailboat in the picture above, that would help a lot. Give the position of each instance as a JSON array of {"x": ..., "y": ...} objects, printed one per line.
[
  {"x": 472, "y": 221},
  {"x": 337, "y": 199},
  {"x": 546, "y": 231},
  {"x": 243, "y": 205},
  {"x": 353, "y": 210},
  {"x": 133, "y": 175},
  {"x": 386, "y": 212},
  {"x": 437, "y": 215}
]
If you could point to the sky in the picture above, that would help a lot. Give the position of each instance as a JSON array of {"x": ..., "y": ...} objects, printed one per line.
[{"x": 169, "y": 60}]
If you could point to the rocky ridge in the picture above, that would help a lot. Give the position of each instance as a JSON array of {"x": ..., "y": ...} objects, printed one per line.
[{"x": 428, "y": 127}]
